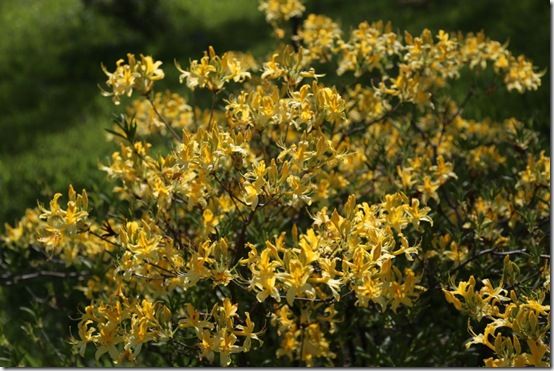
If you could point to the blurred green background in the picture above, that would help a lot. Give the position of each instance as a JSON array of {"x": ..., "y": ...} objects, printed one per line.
[{"x": 53, "y": 117}]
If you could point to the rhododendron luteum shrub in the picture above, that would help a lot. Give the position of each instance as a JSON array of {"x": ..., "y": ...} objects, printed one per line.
[{"x": 290, "y": 214}]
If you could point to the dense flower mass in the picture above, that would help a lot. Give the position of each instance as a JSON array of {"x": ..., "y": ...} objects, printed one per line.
[{"x": 290, "y": 205}]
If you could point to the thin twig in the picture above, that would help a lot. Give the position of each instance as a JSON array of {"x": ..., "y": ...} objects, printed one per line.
[
  {"x": 164, "y": 121},
  {"x": 460, "y": 109},
  {"x": 169, "y": 274},
  {"x": 9, "y": 280},
  {"x": 368, "y": 123},
  {"x": 492, "y": 251}
]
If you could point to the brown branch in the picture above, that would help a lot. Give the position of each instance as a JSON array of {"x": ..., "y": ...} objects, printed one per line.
[
  {"x": 241, "y": 238},
  {"x": 9, "y": 280},
  {"x": 460, "y": 109},
  {"x": 169, "y": 274},
  {"x": 164, "y": 121},
  {"x": 233, "y": 197},
  {"x": 368, "y": 123},
  {"x": 492, "y": 251}
]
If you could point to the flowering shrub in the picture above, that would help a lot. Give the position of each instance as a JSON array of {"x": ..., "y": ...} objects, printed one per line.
[{"x": 292, "y": 213}]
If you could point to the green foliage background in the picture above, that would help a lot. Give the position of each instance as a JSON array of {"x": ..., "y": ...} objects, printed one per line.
[{"x": 53, "y": 118}]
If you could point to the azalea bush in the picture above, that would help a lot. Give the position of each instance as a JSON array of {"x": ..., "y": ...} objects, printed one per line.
[{"x": 327, "y": 205}]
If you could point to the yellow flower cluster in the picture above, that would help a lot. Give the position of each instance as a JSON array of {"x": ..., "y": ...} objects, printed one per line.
[
  {"x": 320, "y": 36},
  {"x": 295, "y": 199},
  {"x": 133, "y": 75},
  {"x": 369, "y": 47},
  {"x": 527, "y": 319},
  {"x": 356, "y": 251},
  {"x": 105, "y": 325},
  {"x": 171, "y": 106},
  {"x": 59, "y": 232},
  {"x": 534, "y": 183},
  {"x": 62, "y": 224},
  {"x": 218, "y": 331},
  {"x": 277, "y": 12},
  {"x": 304, "y": 338},
  {"x": 423, "y": 64},
  {"x": 212, "y": 72}
]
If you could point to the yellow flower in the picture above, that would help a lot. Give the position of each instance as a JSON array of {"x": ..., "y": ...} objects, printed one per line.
[
  {"x": 133, "y": 75},
  {"x": 251, "y": 196},
  {"x": 248, "y": 332},
  {"x": 225, "y": 343},
  {"x": 192, "y": 319},
  {"x": 296, "y": 279}
]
